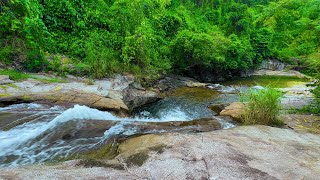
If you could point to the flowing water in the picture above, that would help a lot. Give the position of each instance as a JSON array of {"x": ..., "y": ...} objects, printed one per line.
[{"x": 35, "y": 133}]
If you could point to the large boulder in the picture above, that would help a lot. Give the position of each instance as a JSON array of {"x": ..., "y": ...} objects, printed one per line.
[
  {"x": 70, "y": 98},
  {"x": 173, "y": 82},
  {"x": 135, "y": 96},
  {"x": 234, "y": 110}
]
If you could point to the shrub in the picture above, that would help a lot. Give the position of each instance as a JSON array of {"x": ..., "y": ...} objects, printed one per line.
[{"x": 262, "y": 107}]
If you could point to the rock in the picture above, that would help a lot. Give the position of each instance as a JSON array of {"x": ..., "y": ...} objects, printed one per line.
[
  {"x": 4, "y": 79},
  {"x": 290, "y": 73},
  {"x": 173, "y": 82},
  {"x": 224, "y": 89},
  {"x": 197, "y": 125},
  {"x": 217, "y": 108},
  {"x": 234, "y": 110},
  {"x": 296, "y": 96},
  {"x": 135, "y": 98},
  {"x": 302, "y": 123},
  {"x": 215, "y": 86},
  {"x": 101, "y": 94},
  {"x": 273, "y": 65},
  {"x": 137, "y": 86},
  {"x": 195, "y": 84},
  {"x": 69, "y": 98},
  {"x": 245, "y": 152}
]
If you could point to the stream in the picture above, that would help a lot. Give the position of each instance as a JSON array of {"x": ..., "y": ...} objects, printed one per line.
[{"x": 35, "y": 133}]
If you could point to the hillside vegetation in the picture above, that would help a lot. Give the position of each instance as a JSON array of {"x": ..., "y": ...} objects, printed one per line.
[{"x": 152, "y": 37}]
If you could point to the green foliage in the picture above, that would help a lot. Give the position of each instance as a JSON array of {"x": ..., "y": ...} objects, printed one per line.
[
  {"x": 262, "y": 107},
  {"x": 18, "y": 76},
  {"x": 153, "y": 37},
  {"x": 190, "y": 49}
]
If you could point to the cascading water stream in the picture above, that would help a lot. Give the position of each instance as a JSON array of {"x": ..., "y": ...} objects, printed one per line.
[{"x": 48, "y": 133}]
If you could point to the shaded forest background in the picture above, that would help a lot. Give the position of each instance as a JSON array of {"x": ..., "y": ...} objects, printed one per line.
[{"x": 153, "y": 37}]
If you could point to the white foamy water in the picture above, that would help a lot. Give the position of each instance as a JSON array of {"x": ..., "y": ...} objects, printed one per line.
[{"x": 32, "y": 142}]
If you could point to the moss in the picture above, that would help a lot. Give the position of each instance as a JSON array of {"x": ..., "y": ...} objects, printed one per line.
[
  {"x": 137, "y": 159},
  {"x": 4, "y": 95},
  {"x": 158, "y": 148},
  {"x": 4, "y": 87},
  {"x": 26, "y": 97},
  {"x": 57, "y": 88},
  {"x": 13, "y": 86},
  {"x": 106, "y": 152},
  {"x": 89, "y": 163},
  {"x": 50, "y": 80}
]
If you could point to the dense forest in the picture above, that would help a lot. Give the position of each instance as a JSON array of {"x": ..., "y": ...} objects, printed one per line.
[{"x": 153, "y": 37}]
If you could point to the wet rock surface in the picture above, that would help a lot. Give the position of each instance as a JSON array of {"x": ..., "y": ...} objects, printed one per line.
[
  {"x": 248, "y": 152},
  {"x": 97, "y": 128}
]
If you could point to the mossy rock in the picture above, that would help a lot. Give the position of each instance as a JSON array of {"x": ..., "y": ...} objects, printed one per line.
[{"x": 106, "y": 152}]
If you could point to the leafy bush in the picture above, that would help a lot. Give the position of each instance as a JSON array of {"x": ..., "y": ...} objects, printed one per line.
[
  {"x": 262, "y": 107},
  {"x": 191, "y": 49}
]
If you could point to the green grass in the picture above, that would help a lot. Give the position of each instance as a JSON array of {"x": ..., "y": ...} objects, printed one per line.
[
  {"x": 308, "y": 109},
  {"x": 49, "y": 80},
  {"x": 262, "y": 107},
  {"x": 15, "y": 75},
  {"x": 19, "y": 76}
]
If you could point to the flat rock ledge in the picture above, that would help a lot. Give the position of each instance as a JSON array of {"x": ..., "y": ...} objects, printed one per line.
[
  {"x": 245, "y": 152},
  {"x": 68, "y": 99}
]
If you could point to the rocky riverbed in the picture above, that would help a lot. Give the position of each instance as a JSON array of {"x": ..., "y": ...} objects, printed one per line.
[
  {"x": 186, "y": 138},
  {"x": 256, "y": 152}
]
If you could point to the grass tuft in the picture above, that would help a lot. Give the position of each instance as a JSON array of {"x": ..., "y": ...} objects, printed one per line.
[{"x": 262, "y": 107}]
